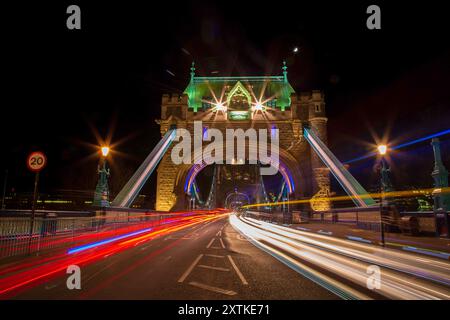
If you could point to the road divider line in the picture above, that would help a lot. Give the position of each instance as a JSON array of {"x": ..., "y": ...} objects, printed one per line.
[
  {"x": 213, "y": 268},
  {"x": 239, "y": 273},
  {"x": 214, "y": 256},
  {"x": 210, "y": 243},
  {"x": 213, "y": 289},
  {"x": 189, "y": 270}
]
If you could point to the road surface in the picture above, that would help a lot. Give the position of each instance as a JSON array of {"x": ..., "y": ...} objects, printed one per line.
[{"x": 210, "y": 260}]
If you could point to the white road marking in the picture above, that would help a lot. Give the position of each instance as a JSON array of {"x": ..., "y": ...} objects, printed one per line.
[
  {"x": 214, "y": 256},
  {"x": 142, "y": 241},
  {"x": 213, "y": 289},
  {"x": 215, "y": 247},
  {"x": 189, "y": 270},
  {"x": 221, "y": 242},
  {"x": 240, "y": 237},
  {"x": 219, "y": 233},
  {"x": 239, "y": 273},
  {"x": 51, "y": 287},
  {"x": 210, "y": 243},
  {"x": 98, "y": 272},
  {"x": 212, "y": 268}
]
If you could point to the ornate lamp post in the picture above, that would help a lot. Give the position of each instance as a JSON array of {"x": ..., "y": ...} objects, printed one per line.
[
  {"x": 101, "y": 196},
  {"x": 384, "y": 186},
  {"x": 441, "y": 199}
]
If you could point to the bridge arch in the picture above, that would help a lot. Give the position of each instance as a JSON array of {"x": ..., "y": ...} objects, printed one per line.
[{"x": 289, "y": 169}]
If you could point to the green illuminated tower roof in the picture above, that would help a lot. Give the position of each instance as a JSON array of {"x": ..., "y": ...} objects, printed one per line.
[{"x": 274, "y": 90}]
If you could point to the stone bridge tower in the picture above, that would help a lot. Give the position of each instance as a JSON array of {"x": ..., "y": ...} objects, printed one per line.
[{"x": 260, "y": 102}]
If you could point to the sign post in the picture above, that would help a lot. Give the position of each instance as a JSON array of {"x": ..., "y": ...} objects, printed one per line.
[{"x": 36, "y": 161}]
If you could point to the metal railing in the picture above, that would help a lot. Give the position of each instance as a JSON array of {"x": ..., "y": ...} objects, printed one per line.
[{"x": 59, "y": 232}]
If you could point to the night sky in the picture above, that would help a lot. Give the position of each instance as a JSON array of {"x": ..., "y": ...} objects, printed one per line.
[{"x": 61, "y": 86}]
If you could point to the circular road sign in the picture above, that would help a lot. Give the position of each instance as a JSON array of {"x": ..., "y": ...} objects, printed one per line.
[{"x": 36, "y": 161}]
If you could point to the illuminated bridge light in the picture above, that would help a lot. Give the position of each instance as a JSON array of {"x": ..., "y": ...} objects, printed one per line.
[
  {"x": 106, "y": 241},
  {"x": 220, "y": 107},
  {"x": 258, "y": 107}
]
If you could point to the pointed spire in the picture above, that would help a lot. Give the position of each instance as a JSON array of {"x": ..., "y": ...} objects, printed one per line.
[
  {"x": 192, "y": 70},
  {"x": 284, "y": 68}
]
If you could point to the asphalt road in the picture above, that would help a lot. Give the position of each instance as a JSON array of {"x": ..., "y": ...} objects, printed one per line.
[{"x": 210, "y": 260}]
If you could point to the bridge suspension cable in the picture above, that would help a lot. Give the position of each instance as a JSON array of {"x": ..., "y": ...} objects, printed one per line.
[
  {"x": 130, "y": 191},
  {"x": 351, "y": 186}
]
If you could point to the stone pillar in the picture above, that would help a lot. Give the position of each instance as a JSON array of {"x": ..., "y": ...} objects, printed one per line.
[
  {"x": 441, "y": 200},
  {"x": 321, "y": 176}
]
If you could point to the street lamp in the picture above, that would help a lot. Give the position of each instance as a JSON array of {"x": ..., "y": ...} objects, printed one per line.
[
  {"x": 220, "y": 107},
  {"x": 382, "y": 150},
  {"x": 105, "y": 151},
  {"x": 259, "y": 107},
  {"x": 101, "y": 196}
]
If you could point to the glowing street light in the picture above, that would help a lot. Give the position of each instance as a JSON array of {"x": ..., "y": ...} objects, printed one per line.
[
  {"x": 105, "y": 151},
  {"x": 295, "y": 50},
  {"x": 258, "y": 107},
  {"x": 220, "y": 107},
  {"x": 382, "y": 149},
  {"x": 101, "y": 195}
]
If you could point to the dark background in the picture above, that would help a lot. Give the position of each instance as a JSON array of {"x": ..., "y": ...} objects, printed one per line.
[{"x": 65, "y": 90}]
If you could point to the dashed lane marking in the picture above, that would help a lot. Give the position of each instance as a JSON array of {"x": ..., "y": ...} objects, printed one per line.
[
  {"x": 213, "y": 289},
  {"x": 189, "y": 270},
  {"x": 213, "y": 268},
  {"x": 210, "y": 243},
  {"x": 239, "y": 273},
  {"x": 214, "y": 256}
]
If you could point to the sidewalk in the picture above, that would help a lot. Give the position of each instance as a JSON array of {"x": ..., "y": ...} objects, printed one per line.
[{"x": 431, "y": 246}]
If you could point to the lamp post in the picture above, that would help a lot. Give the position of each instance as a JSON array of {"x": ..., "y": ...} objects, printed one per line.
[
  {"x": 101, "y": 196},
  {"x": 382, "y": 150},
  {"x": 4, "y": 190},
  {"x": 441, "y": 199}
]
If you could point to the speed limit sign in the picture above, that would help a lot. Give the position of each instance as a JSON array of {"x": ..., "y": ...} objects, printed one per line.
[{"x": 36, "y": 161}]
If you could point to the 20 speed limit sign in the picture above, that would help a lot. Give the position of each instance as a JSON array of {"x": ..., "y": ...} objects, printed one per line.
[{"x": 36, "y": 161}]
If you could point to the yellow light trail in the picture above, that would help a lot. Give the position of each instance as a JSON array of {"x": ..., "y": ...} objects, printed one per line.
[{"x": 392, "y": 194}]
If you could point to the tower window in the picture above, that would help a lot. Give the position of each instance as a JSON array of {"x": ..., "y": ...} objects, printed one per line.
[
  {"x": 317, "y": 107},
  {"x": 206, "y": 103},
  {"x": 272, "y": 103}
]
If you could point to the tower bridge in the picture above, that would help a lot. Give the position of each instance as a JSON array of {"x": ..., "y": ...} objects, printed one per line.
[{"x": 257, "y": 102}]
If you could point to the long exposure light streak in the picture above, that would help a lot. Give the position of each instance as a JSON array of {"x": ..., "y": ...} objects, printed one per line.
[
  {"x": 28, "y": 277},
  {"x": 402, "y": 145},
  {"x": 392, "y": 194},
  {"x": 403, "y": 275},
  {"x": 103, "y": 242}
]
